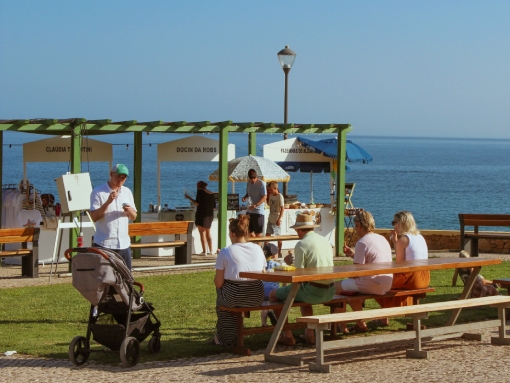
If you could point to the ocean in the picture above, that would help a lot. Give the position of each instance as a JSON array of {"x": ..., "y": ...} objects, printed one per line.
[{"x": 434, "y": 178}]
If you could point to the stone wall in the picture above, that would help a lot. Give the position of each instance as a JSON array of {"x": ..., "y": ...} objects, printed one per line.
[{"x": 450, "y": 240}]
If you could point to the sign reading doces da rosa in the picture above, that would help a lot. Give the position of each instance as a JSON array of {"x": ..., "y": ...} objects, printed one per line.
[{"x": 196, "y": 149}]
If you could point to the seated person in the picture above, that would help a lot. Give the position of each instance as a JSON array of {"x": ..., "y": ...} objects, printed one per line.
[
  {"x": 370, "y": 248},
  {"x": 231, "y": 289},
  {"x": 270, "y": 251},
  {"x": 409, "y": 245},
  {"x": 313, "y": 250},
  {"x": 482, "y": 287}
]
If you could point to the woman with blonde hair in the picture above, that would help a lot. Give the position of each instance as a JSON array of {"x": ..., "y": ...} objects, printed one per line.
[
  {"x": 231, "y": 289},
  {"x": 409, "y": 245}
]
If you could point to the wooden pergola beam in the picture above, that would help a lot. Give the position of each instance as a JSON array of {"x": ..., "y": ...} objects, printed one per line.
[{"x": 78, "y": 127}]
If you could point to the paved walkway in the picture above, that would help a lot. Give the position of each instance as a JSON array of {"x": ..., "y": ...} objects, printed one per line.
[
  {"x": 453, "y": 360},
  {"x": 450, "y": 361}
]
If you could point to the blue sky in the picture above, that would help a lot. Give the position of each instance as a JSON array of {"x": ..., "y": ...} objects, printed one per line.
[{"x": 408, "y": 68}]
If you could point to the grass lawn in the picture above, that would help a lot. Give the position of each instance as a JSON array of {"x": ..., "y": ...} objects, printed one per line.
[{"x": 43, "y": 320}]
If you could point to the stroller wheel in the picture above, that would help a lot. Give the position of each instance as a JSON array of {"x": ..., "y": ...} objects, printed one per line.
[
  {"x": 155, "y": 344},
  {"x": 130, "y": 352},
  {"x": 79, "y": 350}
]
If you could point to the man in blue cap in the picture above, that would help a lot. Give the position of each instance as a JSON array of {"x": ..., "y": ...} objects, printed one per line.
[{"x": 112, "y": 207}]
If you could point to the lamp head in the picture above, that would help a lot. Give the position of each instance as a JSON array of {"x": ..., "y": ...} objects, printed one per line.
[{"x": 286, "y": 57}]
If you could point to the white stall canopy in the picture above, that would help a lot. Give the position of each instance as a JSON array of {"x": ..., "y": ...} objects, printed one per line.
[
  {"x": 58, "y": 149},
  {"x": 292, "y": 152},
  {"x": 190, "y": 149}
]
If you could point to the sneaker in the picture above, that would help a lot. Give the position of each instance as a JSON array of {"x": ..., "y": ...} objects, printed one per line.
[{"x": 272, "y": 317}]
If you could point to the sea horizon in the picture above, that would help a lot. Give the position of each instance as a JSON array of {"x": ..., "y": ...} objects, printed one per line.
[{"x": 434, "y": 177}]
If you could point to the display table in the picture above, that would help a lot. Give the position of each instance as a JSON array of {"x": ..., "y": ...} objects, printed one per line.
[{"x": 322, "y": 215}]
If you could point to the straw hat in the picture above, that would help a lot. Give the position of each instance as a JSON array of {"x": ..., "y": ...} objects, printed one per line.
[{"x": 304, "y": 221}]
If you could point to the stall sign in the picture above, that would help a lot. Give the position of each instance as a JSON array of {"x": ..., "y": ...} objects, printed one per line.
[{"x": 232, "y": 201}]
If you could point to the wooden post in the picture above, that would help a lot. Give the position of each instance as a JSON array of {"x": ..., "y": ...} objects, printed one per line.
[
  {"x": 137, "y": 184},
  {"x": 340, "y": 192},
  {"x": 223, "y": 188}
]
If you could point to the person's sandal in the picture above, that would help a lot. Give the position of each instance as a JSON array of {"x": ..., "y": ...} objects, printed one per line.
[
  {"x": 286, "y": 341},
  {"x": 272, "y": 317},
  {"x": 356, "y": 328},
  {"x": 214, "y": 340},
  {"x": 310, "y": 340}
]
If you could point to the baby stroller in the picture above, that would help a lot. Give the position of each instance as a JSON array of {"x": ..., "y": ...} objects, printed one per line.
[{"x": 119, "y": 317}]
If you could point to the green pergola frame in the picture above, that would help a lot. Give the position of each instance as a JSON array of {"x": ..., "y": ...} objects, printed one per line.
[{"x": 79, "y": 127}]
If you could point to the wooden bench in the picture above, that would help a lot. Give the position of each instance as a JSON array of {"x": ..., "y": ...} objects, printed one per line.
[
  {"x": 182, "y": 243},
  {"x": 322, "y": 322},
  {"x": 30, "y": 257},
  {"x": 504, "y": 283},
  {"x": 408, "y": 297},
  {"x": 469, "y": 240}
]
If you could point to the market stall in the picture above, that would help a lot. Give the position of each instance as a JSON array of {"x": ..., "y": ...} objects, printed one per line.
[
  {"x": 293, "y": 156},
  {"x": 189, "y": 149},
  {"x": 57, "y": 149}
]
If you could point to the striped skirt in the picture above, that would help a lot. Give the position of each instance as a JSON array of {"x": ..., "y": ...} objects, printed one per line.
[{"x": 235, "y": 294}]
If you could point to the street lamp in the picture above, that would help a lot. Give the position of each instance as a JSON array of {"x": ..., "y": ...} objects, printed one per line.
[{"x": 286, "y": 57}]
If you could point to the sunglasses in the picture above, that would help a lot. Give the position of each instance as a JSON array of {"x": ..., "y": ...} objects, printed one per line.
[{"x": 393, "y": 223}]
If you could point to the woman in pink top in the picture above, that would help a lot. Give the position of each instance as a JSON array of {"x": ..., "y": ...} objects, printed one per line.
[{"x": 370, "y": 248}]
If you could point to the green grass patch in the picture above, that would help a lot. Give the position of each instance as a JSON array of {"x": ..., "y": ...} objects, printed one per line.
[{"x": 42, "y": 321}]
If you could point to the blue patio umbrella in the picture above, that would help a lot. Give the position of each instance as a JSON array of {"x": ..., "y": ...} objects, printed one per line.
[
  {"x": 309, "y": 167},
  {"x": 329, "y": 146}
]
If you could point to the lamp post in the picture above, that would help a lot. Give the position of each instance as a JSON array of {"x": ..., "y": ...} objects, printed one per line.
[{"x": 286, "y": 57}]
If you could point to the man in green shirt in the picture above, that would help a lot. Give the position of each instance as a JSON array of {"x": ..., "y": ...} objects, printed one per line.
[{"x": 312, "y": 250}]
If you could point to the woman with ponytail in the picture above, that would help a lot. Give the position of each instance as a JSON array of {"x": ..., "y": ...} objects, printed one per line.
[{"x": 232, "y": 290}]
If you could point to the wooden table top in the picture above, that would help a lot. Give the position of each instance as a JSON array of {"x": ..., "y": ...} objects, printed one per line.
[
  {"x": 353, "y": 271},
  {"x": 285, "y": 237}
]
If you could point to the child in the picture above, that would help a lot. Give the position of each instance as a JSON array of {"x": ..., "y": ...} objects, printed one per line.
[
  {"x": 276, "y": 209},
  {"x": 482, "y": 287},
  {"x": 270, "y": 251}
]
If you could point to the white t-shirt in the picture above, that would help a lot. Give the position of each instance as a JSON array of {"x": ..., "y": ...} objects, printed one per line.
[
  {"x": 417, "y": 248},
  {"x": 373, "y": 248},
  {"x": 112, "y": 230},
  {"x": 240, "y": 257}
]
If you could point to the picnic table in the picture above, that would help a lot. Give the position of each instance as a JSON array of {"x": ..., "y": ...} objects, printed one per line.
[{"x": 299, "y": 276}]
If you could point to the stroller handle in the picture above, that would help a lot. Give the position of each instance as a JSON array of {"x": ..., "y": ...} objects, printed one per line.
[
  {"x": 142, "y": 288},
  {"x": 68, "y": 252}
]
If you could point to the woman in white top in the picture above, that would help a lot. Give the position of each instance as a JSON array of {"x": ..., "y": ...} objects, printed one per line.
[
  {"x": 232, "y": 290},
  {"x": 409, "y": 245}
]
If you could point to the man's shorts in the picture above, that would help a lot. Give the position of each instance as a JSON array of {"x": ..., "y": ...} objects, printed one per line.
[
  {"x": 349, "y": 284},
  {"x": 269, "y": 228},
  {"x": 307, "y": 293},
  {"x": 256, "y": 223}
]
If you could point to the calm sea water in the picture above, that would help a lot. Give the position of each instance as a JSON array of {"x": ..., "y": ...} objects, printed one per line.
[{"x": 434, "y": 178}]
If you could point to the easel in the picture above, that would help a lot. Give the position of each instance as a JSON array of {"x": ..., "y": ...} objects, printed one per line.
[{"x": 79, "y": 224}]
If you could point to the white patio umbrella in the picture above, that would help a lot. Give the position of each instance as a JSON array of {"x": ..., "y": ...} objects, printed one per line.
[{"x": 266, "y": 169}]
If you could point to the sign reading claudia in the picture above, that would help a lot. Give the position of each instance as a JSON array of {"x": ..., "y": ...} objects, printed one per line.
[
  {"x": 58, "y": 149},
  {"x": 66, "y": 149}
]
